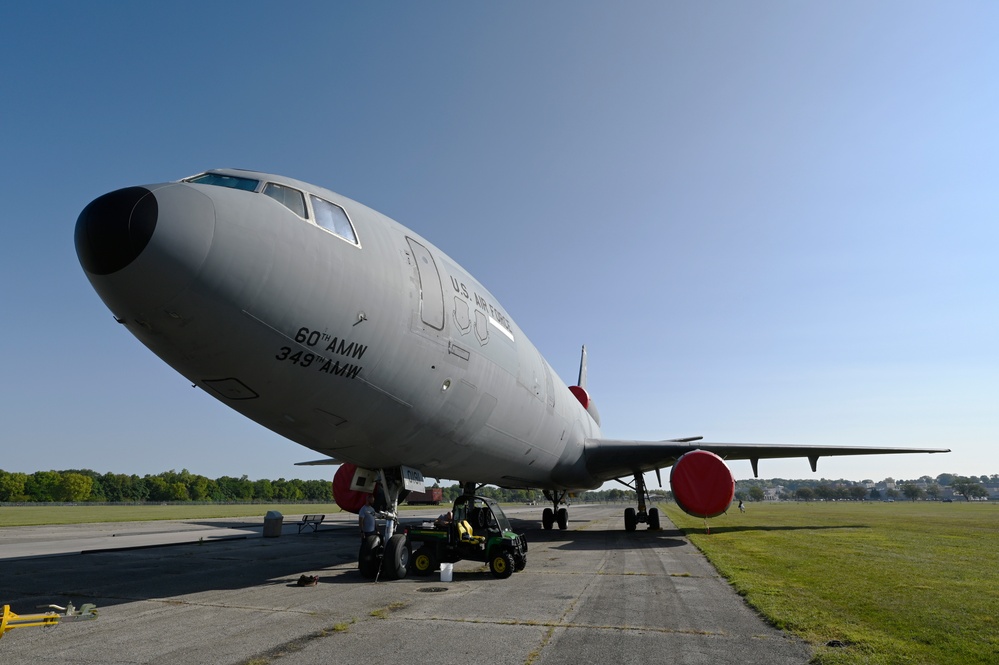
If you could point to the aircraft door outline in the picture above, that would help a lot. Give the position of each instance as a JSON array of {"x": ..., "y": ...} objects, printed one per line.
[{"x": 431, "y": 288}]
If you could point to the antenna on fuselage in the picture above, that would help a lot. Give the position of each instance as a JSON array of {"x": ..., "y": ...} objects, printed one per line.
[{"x": 582, "y": 369}]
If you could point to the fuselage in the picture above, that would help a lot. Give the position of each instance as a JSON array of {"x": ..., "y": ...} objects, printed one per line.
[{"x": 333, "y": 326}]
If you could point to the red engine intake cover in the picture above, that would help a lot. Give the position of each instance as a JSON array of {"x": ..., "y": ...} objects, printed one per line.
[
  {"x": 350, "y": 500},
  {"x": 702, "y": 484}
]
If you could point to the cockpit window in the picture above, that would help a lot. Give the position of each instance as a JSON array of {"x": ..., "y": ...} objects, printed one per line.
[
  {"x": 291, "y": 199},
  {"x": 235, "y": 182},
  {"x": 333, "y": 218}
]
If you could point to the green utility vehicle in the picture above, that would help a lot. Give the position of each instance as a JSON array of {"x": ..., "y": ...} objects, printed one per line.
[{"x": 478, "y": 531}]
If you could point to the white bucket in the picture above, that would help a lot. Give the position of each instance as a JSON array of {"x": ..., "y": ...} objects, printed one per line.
[{"x": 447, "y": 570}]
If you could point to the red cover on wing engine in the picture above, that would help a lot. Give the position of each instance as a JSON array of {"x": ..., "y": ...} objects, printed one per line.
[
  {"x": 350, "y": 500},
  {"x": 702, "y": 484}
]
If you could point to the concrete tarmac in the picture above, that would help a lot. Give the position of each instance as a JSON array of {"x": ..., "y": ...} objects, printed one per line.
[
  {"x": 61, "y": 540},
  {"x": 593, "y": 593}
]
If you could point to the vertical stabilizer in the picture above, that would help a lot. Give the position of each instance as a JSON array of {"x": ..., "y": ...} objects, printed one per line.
[{"x": 582, "y": 369}]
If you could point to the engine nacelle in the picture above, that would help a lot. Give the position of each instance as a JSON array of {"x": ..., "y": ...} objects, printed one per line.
[
  {"x": 702, "y": 484},
  {"x": 587, "y": 402},
  {"x": 350, "y": 500}
]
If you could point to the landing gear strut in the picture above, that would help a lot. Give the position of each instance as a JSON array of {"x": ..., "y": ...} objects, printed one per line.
[
  {"x": 633, "y": 517},
  {"x": 387, "y": 554},
  {"x": 555, "y": 514}
]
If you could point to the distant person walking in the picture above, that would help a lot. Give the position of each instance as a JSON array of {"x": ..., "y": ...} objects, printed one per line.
[{"x": 742, "y": 506}]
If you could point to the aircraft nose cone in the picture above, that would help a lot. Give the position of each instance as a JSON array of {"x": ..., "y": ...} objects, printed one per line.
[
  {"x": 114, "y": 228},
  {"x": 141, "y": 247}
]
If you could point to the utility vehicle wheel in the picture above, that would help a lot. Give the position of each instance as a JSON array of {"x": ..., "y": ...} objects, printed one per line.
[
  {"x": 548, "y": 518},
  {"x": 630, "y": 519},
  {"x": 519, "y": 564},
  {"x": 396, "y": 559},
  {"x": 369, "y": 557},
  {"x": 424, "y": 561},
  {"x": 562, "y": 516},
  {"x": 502, "y": 565},
  {"x": 654, "y": 519}
]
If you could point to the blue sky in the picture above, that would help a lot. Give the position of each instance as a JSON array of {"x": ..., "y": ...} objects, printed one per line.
[{"x": 768, "y": 222}]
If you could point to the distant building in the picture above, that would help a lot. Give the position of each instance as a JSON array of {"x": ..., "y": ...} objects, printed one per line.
[{"x": 773, "y": 493}]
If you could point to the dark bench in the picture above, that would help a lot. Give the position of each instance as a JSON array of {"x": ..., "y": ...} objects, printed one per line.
[{"x": 312, "y": 521}]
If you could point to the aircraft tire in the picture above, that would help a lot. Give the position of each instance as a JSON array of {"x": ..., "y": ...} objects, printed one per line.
[
  {"x": 368, "y": 558},
  {"x": 548, "y": 518},
  {"x": 395, "y": 562},
  {"x": 654, "y": 519},
  {"x": 502, "y": 565},
  {"x": 424, "y": 561},
  {"x": 562, "y": 517},
  {"x": 630, "y": 519}
]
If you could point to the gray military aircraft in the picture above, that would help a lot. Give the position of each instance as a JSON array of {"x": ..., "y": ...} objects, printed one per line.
[{"x": 352, "y": 335}]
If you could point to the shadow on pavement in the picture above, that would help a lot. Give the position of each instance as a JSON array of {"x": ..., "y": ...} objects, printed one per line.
[{"x": 123, "y": 576}]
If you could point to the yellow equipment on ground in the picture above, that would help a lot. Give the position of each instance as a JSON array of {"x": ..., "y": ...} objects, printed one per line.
[{"x": 10, "y": 621}]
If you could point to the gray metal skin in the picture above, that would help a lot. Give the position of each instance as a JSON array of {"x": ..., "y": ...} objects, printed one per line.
[{"x": 382, "y": 354}]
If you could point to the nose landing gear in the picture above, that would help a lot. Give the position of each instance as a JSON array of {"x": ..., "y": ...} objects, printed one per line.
[{"x": 387, "y": 554}]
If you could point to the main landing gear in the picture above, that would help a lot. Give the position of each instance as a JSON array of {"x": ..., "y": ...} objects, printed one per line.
[
  {"x": 387, "y": 554},
  {"x": 555, "y": 514},
  {"x": 633, "y": 517}
]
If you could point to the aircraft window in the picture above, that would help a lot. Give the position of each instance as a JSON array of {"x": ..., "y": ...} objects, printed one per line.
[
  {"x": 246, "y": 184},
  {"x": 333, "y": 218},
  {"x": 291, "y": 199}
]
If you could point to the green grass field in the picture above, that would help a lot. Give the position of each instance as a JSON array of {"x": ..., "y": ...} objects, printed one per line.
[
  {"x": 85, "y": 514},
  {"x": 894, "y": 582}
]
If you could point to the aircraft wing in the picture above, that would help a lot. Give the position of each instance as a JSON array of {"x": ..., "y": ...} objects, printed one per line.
[
  {"x": 607, "y": 459},
  {"x": 329, "y": 461}
]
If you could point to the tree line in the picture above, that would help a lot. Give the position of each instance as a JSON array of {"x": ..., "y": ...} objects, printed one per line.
[
  {"x": 85, "y": 485},
  {"x": 925, "y": 487},
  {"x": 82, "y": 485}
]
